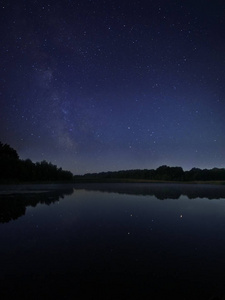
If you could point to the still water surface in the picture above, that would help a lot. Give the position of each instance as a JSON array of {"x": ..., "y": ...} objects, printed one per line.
[{"x": 112, "y": 241}]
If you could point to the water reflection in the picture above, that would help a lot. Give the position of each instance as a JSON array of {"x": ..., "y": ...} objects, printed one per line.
[
  {"x": 161, "y": 191},
  {"x": 110, "y": 242},
  {"x": 14, "y": 200}
]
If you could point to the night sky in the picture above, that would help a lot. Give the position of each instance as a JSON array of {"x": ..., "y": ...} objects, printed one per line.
[{"x": 109, "y": 85}]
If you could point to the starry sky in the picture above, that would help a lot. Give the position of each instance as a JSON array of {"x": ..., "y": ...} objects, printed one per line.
[{"x": 104, "y": 85}]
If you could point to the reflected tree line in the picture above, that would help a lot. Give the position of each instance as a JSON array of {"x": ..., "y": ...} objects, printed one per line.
[
  {"x": 12, "y": 168},
  {"x": 164, "y": 173},
  {"x": 160, "y": 191},
  {"x": 13, "y": 206}
]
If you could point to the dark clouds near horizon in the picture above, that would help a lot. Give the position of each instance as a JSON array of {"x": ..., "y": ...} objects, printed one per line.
[{"x": 107, "y": 85}]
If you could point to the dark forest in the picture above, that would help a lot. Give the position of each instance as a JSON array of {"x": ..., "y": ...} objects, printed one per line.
[
  {"x": 14, "y": 169},
  {"x": 163, "y": 173}
]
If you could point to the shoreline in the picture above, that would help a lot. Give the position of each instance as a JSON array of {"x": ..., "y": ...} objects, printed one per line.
[{"x": 84, "y": 181}]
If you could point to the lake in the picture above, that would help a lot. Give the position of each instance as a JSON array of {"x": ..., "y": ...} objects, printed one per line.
[{"x": 112, "y": 241}]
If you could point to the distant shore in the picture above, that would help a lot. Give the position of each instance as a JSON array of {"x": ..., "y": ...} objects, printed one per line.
[
  {"x": 110, "y": 180},
  {"x": 119, "y": 180}
]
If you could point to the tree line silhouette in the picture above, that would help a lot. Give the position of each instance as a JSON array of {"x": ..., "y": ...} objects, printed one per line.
[
  {"x": 163, "y": 173},
  {"x": 12, "y": 168}
]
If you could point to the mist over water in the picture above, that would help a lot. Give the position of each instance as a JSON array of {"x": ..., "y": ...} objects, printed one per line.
[{"x": 112, "y": 241}]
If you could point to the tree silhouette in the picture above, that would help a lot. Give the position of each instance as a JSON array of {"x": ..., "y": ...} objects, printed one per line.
[
  {"x": 163, "y": 173},
  {"x": 14, "y": 169},
  {"x": 7, "y": 152}
]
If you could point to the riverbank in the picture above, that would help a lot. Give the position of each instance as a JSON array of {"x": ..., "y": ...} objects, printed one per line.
[
  {"x": 108, "y": 180},
  {"x": 129, "y": 180}
]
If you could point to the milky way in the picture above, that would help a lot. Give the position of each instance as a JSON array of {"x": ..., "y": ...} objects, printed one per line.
[{"x": 107, "y": 85}]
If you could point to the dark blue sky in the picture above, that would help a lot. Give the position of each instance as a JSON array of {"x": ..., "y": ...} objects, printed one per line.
[{"x": 107, "y": 85}]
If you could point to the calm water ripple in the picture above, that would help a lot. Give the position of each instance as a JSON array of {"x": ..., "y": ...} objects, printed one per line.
[{"x": 112, "y": 241}]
